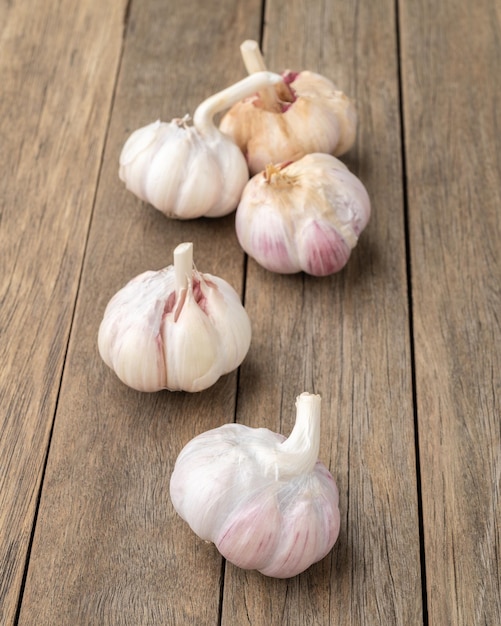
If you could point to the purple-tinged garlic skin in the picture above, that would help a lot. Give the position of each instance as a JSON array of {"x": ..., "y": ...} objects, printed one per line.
[
  {"x": 310, "y": 114},
  {"x": 303, "y": 216},
  {"x": 266, "y": 502},
  {"x": 156, "y": 334}
]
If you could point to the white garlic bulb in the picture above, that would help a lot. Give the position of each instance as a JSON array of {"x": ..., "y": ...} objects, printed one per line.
[
  {"x": 266, "y": 502},
  {"x": 175, "y": 328},
  {"x": 190, "y": 171},
  {"x": 303, "y": 114},
  {"x": 303, "y": 216}
]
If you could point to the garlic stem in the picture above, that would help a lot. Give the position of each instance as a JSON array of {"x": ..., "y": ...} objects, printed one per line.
[
  {"x": 299, "y": 453},
  {"x": 252, "y": 57},
  {"x": 274, "y": 174},
  {"x": 183, "y": 265},
  {"x": 254, "y": 62},
  {"x": 205, "y": 112}
]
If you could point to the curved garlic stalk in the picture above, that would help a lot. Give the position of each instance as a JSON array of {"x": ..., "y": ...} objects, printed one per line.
[
  {"x": 305, "y": 113},
  {"x": 266, "y": 502},
  {"x": 302, "y": 216},
  {"x": 190, "y": 171},
  {"x": 175, "y": 328}
]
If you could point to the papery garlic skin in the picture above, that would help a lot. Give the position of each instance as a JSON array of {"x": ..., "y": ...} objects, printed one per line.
[
  {"x": 157, "y": 335},
  {"x": 303, "y": 216},
  {"x": 266, "y": 502},
  {"x": 310, "y": 114},
  {"x": 190, "y": 171},
  {"x": 181, "y": 173}
]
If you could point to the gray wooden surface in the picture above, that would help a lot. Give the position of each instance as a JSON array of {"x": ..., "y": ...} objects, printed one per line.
[{"x": 403, "y": 345}]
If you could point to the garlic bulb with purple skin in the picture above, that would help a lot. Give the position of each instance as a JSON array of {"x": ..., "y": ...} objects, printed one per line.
[
  {"x": 175, "y": 328},
  {"x": 266, "y": 502},
  {"x": 303, "y": 114},
  {"x": 303, "y": 216},
  {"x": 190, "y": 171}
]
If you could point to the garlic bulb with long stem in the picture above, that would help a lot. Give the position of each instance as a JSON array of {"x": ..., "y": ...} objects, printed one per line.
[
  {"x": 303, "y": 216},
  {"x": 190, "y": 171},
  {"x": 175, "y": 328},
  {"x": 305, "y": 113},
  {"x": 266, "y": 502}
]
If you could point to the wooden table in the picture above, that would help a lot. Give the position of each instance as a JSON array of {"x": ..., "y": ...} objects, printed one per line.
[{"x": 403, "y": 344}]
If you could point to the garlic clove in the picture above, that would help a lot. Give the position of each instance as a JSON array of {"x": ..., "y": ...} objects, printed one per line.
[
  {"x": 204, "y": 511},
  {"x": 302, "y": 544},
  {"x": 337, "y": 110},
  {"x": 303, "y": 216},
  {"x": 263, "y": 232},
  {"x": 180, "y": 156},
  {"x": 128, "y": 334},
  {"x": 306, "y": 113},
  {"x": 266, "y": 502},
  {"x": 321, "y": 249},
  {"x": 244, "y": 540},
  {"x": 139, "y": 141},
  {"x": 190, "y": 171},
  {"x": 232, "y": 348},
  {"x": 175, "y": 328},
  {"x": 192, "y": 347},
  {"x": 203, "y": 485}
]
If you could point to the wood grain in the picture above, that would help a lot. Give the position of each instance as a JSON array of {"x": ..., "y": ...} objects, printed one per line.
[
  {"x": 451, "y": 100},
  {"x": 87, "y": 531},
  {"x": 105, "y": 505},
  {"x": 347, "y": 338},
  {"x": 58, "y": 70}
]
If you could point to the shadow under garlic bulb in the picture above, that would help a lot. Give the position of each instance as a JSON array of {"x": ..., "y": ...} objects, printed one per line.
[{"x": 266, "y": 502}]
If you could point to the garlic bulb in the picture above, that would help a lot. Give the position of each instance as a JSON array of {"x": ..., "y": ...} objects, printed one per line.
[
  {"x": 266, "y": 502},
  {"x": 302, "y": 216},
  {"x": 303, "y": 114},
  {"x": 175, "y": 328},
  {"x": 190, "y": 171}
]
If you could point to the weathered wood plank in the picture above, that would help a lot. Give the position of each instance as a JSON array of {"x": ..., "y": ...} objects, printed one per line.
[
  {"x": 450, "y": 56},
  {"x": 108, "y": 547},
  {"x": 345, "y": 337},
  {"x": 58, "y": 68}
]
